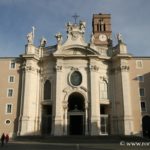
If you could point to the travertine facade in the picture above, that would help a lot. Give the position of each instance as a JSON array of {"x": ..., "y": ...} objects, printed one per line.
[{"x": 75, "y": 87}]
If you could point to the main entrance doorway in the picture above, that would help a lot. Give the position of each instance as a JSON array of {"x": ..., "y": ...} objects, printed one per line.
[
  {"x": 76, "y": 124},
  {"x": 76, "y": 108}
]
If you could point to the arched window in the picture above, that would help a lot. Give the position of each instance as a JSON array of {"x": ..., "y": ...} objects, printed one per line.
[
  {"x": 102, "y": 26},
  {"x": 103, "y": 90},
  {"x": 47, "y": 90}
]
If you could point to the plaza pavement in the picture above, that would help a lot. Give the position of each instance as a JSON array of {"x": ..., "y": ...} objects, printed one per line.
[{"x": 78, "y": 143}]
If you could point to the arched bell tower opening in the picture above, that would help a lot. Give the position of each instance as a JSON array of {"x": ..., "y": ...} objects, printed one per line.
[{"x": 76, "y": 114}]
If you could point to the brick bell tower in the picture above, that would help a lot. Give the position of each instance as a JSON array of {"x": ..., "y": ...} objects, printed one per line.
[{"x": 101, "y": 25}]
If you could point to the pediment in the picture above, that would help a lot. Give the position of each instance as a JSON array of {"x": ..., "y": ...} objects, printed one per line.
[{"x": 77, "y": 50}]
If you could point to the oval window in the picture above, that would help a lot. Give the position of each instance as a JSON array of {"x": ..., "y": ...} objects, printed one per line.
[
  {"x": 76, "y": 78},
  {"x": 7, "y": 122}
]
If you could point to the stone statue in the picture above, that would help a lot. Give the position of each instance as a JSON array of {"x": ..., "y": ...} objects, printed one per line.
[
  {"x": 69, "y": 27},
  {"x": 92, "y": 38},
  {"x": 59, "y": 38},
  {"x": 43, "y": 42},
  {"x": 119, "y": 38},
  {"x": 30, "y": 36},
  {"x": 82, "y": 26}
]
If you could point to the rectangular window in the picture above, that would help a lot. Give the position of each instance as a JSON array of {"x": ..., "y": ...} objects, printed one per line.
[
  {"x": 142, "y": 92},
  {"x": 143, "y": 106},
  {"x": 11, "y": 79},
  {"x": 139, "y": 64},
  {"x": 10, "y": 92},
  {"x": 140, "y": 78},
  {"x": 8, "y": 108},
  {"x": 12, "y": 64}
]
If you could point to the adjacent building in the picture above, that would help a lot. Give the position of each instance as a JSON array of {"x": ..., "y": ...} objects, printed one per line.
[{"x": 75, "y": 87}]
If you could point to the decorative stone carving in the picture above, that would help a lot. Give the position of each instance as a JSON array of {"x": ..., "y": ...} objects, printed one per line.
[
  {"x": 94, "y": 68},
  {"x": 74, "y": 35},
  {"x": 84, "y": 88},
  {"x": 75, "y": 69},
  {"x": 125, "y": 68},
  {"x": 30, "y": 68},
  {"x": 65, "y": 104},
  {"x": 76, "y": 31},
  {"x": 104, "y": 78},
  {"x": 67, "y": 89},
  {"x": 58, "y": 68}
]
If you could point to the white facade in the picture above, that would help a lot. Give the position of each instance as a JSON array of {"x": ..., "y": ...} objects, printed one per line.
[{"x": 75, "y": 87}]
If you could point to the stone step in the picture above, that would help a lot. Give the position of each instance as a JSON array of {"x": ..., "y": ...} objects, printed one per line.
[{"x": 81, "y": 139}]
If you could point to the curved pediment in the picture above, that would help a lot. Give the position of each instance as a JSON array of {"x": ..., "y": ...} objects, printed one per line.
[{"x": 76, "y": 50}]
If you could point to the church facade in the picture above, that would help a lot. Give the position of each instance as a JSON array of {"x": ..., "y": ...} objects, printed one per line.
[{"x": 75, "y": 87}]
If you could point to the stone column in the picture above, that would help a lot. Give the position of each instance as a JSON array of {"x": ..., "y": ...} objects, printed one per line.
[
  {"x": 58, "y": 118},
  {"x": 94, "y": 100}
]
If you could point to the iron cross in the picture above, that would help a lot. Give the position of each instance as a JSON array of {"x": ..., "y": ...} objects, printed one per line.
[{"x": 75, "y": 16}]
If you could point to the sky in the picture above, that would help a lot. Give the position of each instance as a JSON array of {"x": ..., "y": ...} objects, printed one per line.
[{"x": 129, "y": 17}]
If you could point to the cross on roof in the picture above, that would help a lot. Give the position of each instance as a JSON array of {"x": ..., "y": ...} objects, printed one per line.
[{"x": 75, "y": 16}]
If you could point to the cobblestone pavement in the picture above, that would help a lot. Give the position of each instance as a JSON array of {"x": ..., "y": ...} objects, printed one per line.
[{"x": 29, "y": 145}]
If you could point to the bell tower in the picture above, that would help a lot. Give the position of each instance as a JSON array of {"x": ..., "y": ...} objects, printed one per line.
[{"x": 101, "y": 25}]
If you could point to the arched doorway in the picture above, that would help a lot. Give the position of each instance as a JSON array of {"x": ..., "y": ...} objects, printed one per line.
[
  {"x": 146, "y": 126},
  {"x": 76, "y": 109}
]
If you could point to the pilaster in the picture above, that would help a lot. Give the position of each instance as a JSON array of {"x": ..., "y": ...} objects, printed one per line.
[
  {"x": 58, "y": 118},
  {"x": 128, "y": 118},
  {"x": 29, "y": 100},
  {"x": 94, "y": 101}
]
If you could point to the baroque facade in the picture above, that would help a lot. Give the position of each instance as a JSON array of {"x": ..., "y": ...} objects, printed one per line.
[{"x": 75, "y": 87}]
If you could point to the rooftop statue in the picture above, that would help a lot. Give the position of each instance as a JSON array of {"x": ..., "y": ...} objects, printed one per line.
[
  {"x": 119, "y": 38},
  {"x": 43, "y": 42},
  {"x": 92, "y": 38},
  {"x": 30, "y": 36},
  {"x": 59, "y": 38}
]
